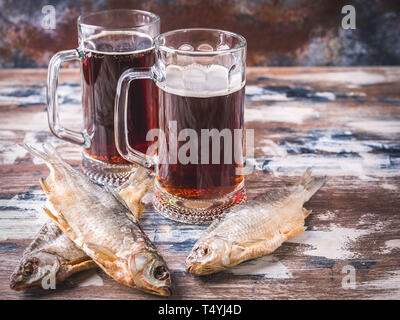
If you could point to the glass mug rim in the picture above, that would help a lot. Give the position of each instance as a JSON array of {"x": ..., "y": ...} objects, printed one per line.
[
  {"x": 160, "y": 46},
  {"x": 155, "y": 19}
]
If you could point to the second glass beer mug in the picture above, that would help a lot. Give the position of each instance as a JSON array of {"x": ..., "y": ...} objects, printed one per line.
[
  {"x": 110, "y": 42},
  {"x": 200, "y": 76}
]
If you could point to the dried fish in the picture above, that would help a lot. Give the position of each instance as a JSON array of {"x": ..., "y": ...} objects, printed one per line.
[
  {"x": 101, "y": 224},
  {"x": 253, "y": 229},
  {"x": 52, "y": 251},
  {"x": 133, "y": 190}
]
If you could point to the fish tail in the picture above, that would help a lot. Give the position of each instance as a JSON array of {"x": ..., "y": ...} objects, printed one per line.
[
  {"x": 35, "y": 152},
  {"x": 47, "y": 154},
  {"x": 57, "y": 166},
  {"x": 311, "y": 184}
]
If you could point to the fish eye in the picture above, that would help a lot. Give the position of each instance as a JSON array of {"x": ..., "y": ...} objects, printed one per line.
[
  {"x": 203, "y": 251},
  {"x": 161, "y": 273},
  {"x": 29, "y": 267}
]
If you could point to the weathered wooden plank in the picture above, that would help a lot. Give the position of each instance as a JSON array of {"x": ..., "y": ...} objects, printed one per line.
[{"x": 343, "y": 121}]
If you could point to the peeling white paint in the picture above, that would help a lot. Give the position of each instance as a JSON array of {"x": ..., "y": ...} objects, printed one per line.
[
  {"x": 388, "y": 186},
  {"x": 271, "y": 149},
  {"x": 10, "y": 154},
  {"x": 257, "y": 93},
  {"x": 326, "y": 95},
  {"x": 254, "y": 90},
  {"x": 7, "y": 134},
  {"x": 326, "y": 216},
  {"x": 391, "y": 245},
  {"x": 363, "y": 169},
  {"x": 28, "y": 95},
  {"x": 24, "y": 222},
  {"x": 390, "y": 285},
  {"x": 90, "y": 279},
  {"x": 334, "y": 243},
  {"x": 386, "y": 127},
  {"x": 328, "y": 144},
  {"x": 267, "y": 266},
  {"x": 283, "y": 114},
  {"x": 355, "y": 78},
  {"x": 179, "y": 233}
]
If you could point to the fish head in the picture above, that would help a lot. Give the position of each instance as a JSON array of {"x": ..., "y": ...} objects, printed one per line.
[
  {"x": 33, "y": 269},
  {"x": 149, "y": 272},
  {"x": 209, "y": 256}
]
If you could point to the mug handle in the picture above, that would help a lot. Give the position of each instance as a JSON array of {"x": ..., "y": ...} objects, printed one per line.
[
  {"x": 121, "y": 117},
  {"x": 80, "y": 138}
]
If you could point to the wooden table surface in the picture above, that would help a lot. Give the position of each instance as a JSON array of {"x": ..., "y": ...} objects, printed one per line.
[{"x": 345, "y": 122}]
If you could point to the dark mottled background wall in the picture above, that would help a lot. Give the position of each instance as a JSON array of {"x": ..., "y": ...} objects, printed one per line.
[{"x": 279, "y": 32}]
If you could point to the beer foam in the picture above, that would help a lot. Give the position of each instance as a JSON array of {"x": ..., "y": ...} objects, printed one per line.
[{"x": 201, "y": 81}]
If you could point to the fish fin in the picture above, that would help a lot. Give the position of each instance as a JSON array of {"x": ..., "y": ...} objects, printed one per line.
[
  {"x": 133, "y": 190},
  {"x": 311, "y": 184},
  {"x": 72, "y": 267},
  {"x": 82, "y": 263},
  {"x": 295, "y": 231},
  {"x": 306, "y": 212},
  {"x": 255, "y": 247},
  {"x": 46, "y": 154},
  {"x": 61, "y": 222},
  {"x": 134, "y": 202},
  {"x": 49, "y": 229},
  {"x": 305, "y": 177},
  {"x": 135, "y": 209},
  {"x": 35, "y": 152},
  {"x": 102, "y": 254},
  {"x": 51, "y": 215},
  {"x": 138, "y": 177},
  {"x": 51, "y": 151},
  {"x": 44, "y": 185},
  {"x": 49, "y": 155},
  {"x": 85, "y": 265}
]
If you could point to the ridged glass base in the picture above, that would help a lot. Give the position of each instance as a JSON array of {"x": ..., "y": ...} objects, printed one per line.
[
  {"x": 104, "y": 173},
  {"x": 195, "y": 211}
]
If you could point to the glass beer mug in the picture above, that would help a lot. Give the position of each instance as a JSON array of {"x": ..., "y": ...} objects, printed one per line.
[
  {"x": 200, "y": 76},
  {"x": 110, "y": 42}
]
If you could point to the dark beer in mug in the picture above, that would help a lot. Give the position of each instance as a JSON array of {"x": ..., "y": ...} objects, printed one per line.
[
  {"x": 219, "y": 111},
  {"x": 107, "y": 56}
]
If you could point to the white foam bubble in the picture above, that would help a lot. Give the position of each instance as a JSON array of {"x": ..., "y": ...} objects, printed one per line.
[
  {"x": 201, "y": 81},
  {"x": 218, "y": 78},
  {"x": 174, "y": 77},
  {"x": 194, "y": 78}
]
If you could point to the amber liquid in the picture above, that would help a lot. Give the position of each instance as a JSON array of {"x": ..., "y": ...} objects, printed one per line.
[
  {"x": 101, "y": 70},
  {"x": 200, "y": 181}
]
